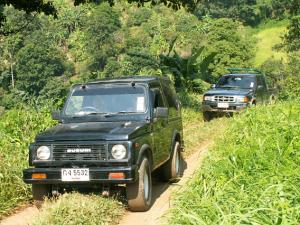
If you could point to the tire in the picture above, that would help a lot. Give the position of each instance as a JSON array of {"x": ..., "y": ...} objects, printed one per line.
[
  {"x": 272, "y": 100},
  {"x": 139, "y": 193},
  {"x": 207, "y": 116},
  {"x": 39, "y": 193},
  {"x": 172, "y": 170}
]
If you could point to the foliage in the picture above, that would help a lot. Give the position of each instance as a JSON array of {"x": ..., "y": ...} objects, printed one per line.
[
  {"x": 18, "y": 128},
  {"x": 285, "y": 77},
  {"x": 292, "y": 38},
  {"x": 225, "y": 38},
  {"x": 251, "y": 175},
  {"x": 250, "y": 12},
  {"x": 36, "y": 65},
  {"x": 75, "y": 208}
]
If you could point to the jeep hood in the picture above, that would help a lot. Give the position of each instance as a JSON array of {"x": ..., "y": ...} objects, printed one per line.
[
  {"x": 220, "y": 91},
  {"x": 96, "y": 131}
]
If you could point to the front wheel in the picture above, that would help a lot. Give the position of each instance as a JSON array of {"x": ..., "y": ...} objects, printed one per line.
[
  {"x": 40, "y": 192},
  {"x": 207, "y": 116},
  {"x": 139, "y": 193}
]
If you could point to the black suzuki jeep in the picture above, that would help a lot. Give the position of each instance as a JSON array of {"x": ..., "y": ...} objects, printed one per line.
[{"x": 110, "y": 132}]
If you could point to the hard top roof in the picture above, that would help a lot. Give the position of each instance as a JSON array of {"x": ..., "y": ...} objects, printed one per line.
[
  {"x": 128, "y": 79},
  {"x": 242, "y": 74}
]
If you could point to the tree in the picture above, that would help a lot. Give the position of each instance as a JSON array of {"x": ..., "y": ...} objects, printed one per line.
[
  {"x": 36, "y": 64},
  {"x": 292, "y": 38},
  {"x": 232, "y": 49},
  {"x": 99, "y": 36},
  {"x": 48, "y": 8}
]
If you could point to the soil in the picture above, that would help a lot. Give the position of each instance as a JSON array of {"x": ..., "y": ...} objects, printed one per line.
[{"x": 162, "y": 194}]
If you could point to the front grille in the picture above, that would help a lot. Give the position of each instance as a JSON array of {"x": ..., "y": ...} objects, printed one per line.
[
  {"x": 98, "y": 152},
  {"x": 224, "y": 98}
]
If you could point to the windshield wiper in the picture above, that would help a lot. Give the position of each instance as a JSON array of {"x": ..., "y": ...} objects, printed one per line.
[
  {"x": 117, "y": 113},
  {"x": 87, "y": 114},
  {"x": 228, "y": 86}
]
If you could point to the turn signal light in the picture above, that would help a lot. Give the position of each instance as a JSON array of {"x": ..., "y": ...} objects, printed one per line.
[
  {"x": 116, "y": 176},
  {"x": 246, "y": 99},
  {"x": 38, "y": 176}
]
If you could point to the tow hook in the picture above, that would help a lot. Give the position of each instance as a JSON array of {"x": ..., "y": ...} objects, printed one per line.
[
  {"x": 55, "y": 191},
  {"x": 105, "y": 190}
]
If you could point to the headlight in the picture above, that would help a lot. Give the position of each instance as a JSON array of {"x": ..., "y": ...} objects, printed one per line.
[
  {"x": 208, "y": 98},
  {"x": 243, "y": 99},
  {"x": 43, "y": 153},
  {"x": 118, "y": 151}
]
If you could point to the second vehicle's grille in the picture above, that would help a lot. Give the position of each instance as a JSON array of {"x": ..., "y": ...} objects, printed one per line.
[
  {"x": 224, "y": 98},
  {"x": 71, "y": 152}
]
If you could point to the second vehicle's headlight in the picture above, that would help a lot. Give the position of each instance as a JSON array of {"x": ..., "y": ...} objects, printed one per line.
[
  {"x": 243, "y": 99},
  {"x": 43, "y": 153},
  {"x": 208, "y": 98},
  {"x": 118, "y": 151}
]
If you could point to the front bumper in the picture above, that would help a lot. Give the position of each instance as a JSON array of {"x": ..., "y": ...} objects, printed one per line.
[
  {"x": 97, "y": 175},
  {"x": 233, "y": 107}
]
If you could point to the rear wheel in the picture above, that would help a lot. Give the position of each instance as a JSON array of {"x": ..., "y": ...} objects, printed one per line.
[
  {"x": 40, "y": 192},
  {"x": 139, "y": 193},
  {"x": 207, "y": 116},
  {"x": 172, "y": 170}
]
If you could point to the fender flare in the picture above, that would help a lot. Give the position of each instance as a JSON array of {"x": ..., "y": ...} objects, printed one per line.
[
  {"x": 176, "y": 134},
  {"x": 145, "y": 150}
]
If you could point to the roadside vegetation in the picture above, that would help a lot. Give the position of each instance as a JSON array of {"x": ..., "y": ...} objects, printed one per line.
[
  {"x": 251, "y": 174},
  {"x": 75, "y": 208},
  {"x": 18, "y": 128}
]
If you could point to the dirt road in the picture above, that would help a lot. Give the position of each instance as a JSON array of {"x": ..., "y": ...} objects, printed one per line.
[{"x": 162, "y": 193}]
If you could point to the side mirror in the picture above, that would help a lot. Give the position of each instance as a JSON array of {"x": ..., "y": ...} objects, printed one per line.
[
  {"x": 213, "y": 86},
  {"x": 55, "y": 115},
  {"x": 161, "y": 112},
  {"x": 260, "y": 87}
]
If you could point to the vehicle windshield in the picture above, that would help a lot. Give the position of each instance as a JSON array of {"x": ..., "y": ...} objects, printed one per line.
[
  {"x": 243, "y": 82},
  {"x": 106, "y": 99}
]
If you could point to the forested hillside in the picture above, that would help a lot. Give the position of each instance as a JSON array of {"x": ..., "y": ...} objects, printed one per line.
[{"x": 43, "y": 55}]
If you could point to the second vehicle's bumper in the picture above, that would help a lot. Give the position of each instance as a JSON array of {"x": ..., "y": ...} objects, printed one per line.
[
  {"x": 233, "y": 107},
  {"x": 97, "y": 175}
]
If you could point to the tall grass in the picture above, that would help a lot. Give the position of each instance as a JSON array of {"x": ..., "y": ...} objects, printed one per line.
[
  {"x": 75, "y": 208},
  {"x": 252, "y": 174},
  {"x": 18, "y": 128},
  {"x": 196, "y": 132}
]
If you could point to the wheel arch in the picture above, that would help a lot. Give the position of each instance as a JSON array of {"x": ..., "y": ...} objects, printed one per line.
[{"x": 145, "y": 150}]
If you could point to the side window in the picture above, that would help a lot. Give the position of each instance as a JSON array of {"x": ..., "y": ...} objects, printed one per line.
[
  {"x": 170, "y": 94},
  {"x": 158, "y": 99},
  {"x": 259, "y": 80},
  {"x": 264, "y": 82}
]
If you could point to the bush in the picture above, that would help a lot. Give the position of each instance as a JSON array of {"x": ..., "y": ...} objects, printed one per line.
[
  {"x": 18, "y": 128},
  {"x": 73, "y": 209},
  {"x": 252, "y": 174}
]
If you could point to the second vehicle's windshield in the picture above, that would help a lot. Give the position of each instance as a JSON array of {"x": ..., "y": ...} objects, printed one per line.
[
  {"x": 106, "y": 99},
  {"x": 243, "y": 82}
]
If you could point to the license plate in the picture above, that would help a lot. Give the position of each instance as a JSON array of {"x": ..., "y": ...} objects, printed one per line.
[
  {"x": 223, "y": 105},
  {"x": 75, "y": 174}
]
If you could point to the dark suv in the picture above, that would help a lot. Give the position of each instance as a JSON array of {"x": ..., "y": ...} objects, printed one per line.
[
  {"x": 110, "y": 132},
  {"x": 242, "y": 88}
]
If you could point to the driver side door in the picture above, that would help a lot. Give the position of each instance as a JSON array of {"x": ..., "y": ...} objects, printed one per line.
[{"x": 160, "y": 127}]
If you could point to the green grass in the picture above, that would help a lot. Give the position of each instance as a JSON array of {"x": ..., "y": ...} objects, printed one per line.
[
  {"x": 252, "y": 174},
  {"x": 18, "y": 128},
  {"x": 76, "y": 209},
  {"x": 269, "y": 35},
  {"x": 196, "y": 132}
]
